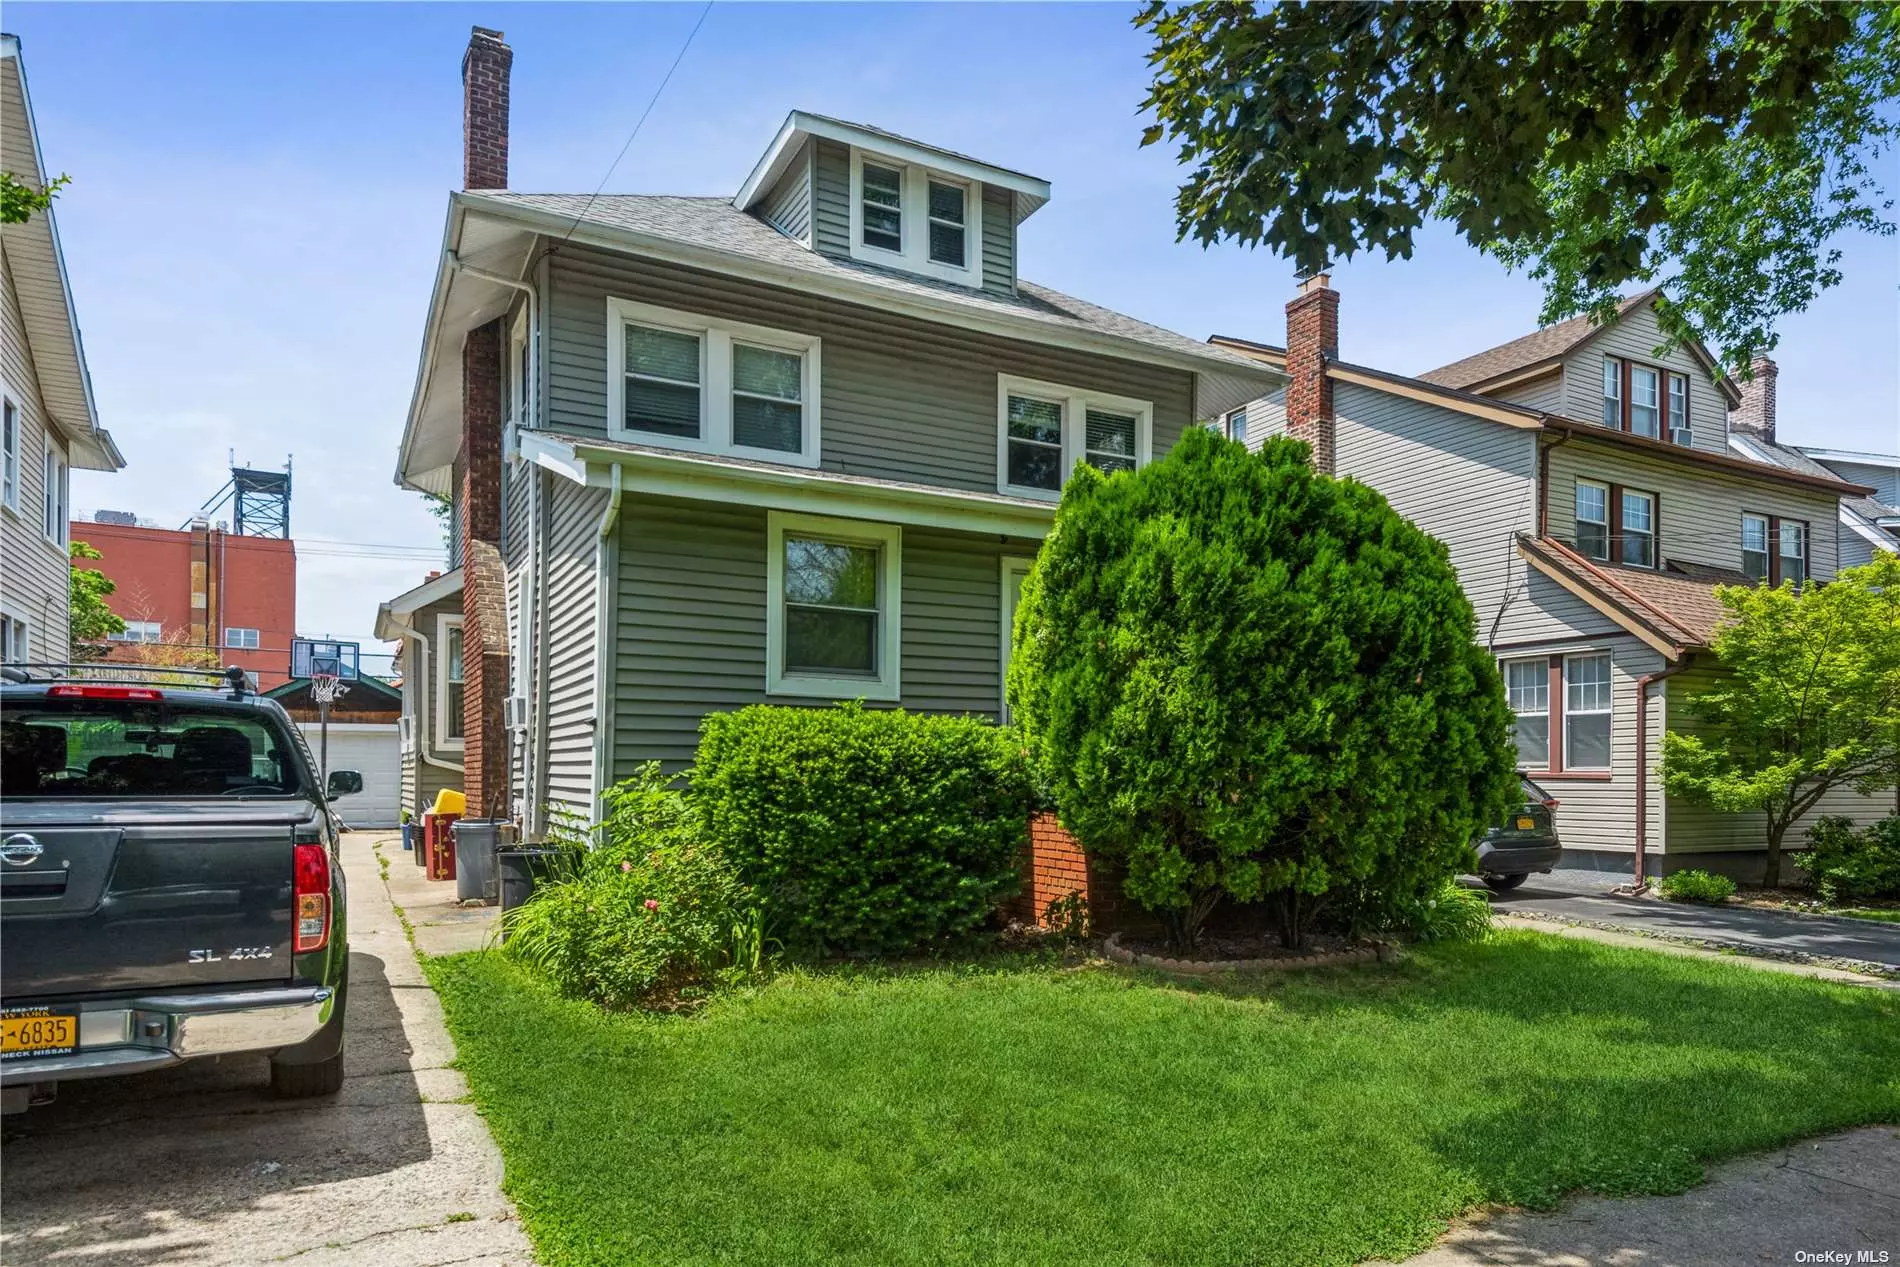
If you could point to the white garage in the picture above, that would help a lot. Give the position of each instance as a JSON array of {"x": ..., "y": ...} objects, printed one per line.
[{"x": 372, "y": 749}]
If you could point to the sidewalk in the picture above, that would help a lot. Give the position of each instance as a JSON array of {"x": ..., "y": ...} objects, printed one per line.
[{"x": 439, "y": 924}]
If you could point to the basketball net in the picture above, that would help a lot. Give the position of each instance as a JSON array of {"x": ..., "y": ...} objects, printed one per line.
[{"x": 326, "y": 687}]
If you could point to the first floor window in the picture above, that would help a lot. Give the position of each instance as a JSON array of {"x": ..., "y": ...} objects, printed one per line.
[
  {"x": 1015, "y": 572},
  {"x": 139, "y": 631},
  {"x": 241, "y": 639},
  {"x": 1794, "y": 552},
  {"x": 1755, "y": 547},
  {"x": 10, "y": 455},
  {"x": 453, "y": 717},
  {"x": 1639, "y": 529},
  {"x": 832, "y": 627},
  {"x": 1045, "y": 430},
  {"x": 1034, "y": 429},
  {"x": 13, "y": 649},
  {"x": 1527, "y": 683},
  {"x": 1593, "y": 519},
  {"x": 1587, "y": 712}
]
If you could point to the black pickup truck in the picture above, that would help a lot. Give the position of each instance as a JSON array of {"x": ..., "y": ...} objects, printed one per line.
[{"x": 169, "y": 882}]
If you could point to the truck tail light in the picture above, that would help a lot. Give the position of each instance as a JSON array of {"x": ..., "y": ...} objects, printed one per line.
[{"x": 312, "y": 897}]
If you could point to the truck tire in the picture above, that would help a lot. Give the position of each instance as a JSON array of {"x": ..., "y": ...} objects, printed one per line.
[
  {"x": 1503, "y": 883},
  {"x": 298, "y": 1082}
]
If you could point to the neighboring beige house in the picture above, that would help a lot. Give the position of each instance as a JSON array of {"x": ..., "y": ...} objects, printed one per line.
[
  {"x": 427, "y": 621},
  {"x": 796, "y": 445},
  {"x": 1591, "y": 500},
  {"x": 48, "y": 423}
]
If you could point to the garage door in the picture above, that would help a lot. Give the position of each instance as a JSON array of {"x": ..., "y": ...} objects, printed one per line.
[{"x": 375, "y": 752}]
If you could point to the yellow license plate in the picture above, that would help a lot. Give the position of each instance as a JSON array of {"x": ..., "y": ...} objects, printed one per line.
[
  {"x": 1526, "y": 824},
  {"x": 37, "y": 1032}
]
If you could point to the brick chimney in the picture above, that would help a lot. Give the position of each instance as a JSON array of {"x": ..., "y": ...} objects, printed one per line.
[
  {"x": 1755, "y": 416},
  {"x": 485, "y": 110},
  {"x": 1312, "y": 335},
  {"x": 485, "y": 772}
]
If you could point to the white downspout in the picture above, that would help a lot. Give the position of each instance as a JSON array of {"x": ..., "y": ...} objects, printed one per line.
[
  {"x": 607, "y": 565},
  {"x": 422, "y": 704}
]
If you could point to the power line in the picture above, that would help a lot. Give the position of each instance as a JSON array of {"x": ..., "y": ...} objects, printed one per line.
[{"x": 653, "y": 101}]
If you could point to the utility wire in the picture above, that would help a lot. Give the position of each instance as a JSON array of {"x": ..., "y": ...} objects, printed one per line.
[{"x": 653, "y": 101}]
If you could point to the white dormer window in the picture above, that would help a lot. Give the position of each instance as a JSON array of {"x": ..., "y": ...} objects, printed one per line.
[{"x": 908, "y": 216}]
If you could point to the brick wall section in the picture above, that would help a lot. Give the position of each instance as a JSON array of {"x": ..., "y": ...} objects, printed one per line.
[
  {"x": 485, "y": 110},
  {"x": 1056, "y": 866},
  {"x": 484, "y": 579},
  {"x": 1312, "y": 335},
  {"x": 1756, "y": 414}
]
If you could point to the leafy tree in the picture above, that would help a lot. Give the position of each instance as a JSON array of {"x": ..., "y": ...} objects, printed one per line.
[
  {"x": 1251, "y": 680},
  {"x": 92, "y": 621},
  {"x": 1714, "y": 149},
  {"x": 1809, "y": 702},
  {"x": 19, "y": 200}
]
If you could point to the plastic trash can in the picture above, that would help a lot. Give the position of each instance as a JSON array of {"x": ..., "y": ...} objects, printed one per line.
[
  {"x": 522, "y": 868},
  {"x": 475, "y": 842}
]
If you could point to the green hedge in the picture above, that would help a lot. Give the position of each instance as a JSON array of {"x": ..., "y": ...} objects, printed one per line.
[
  {"x": 865, "y": 832},
  {"x": 1848, "y": 863}
]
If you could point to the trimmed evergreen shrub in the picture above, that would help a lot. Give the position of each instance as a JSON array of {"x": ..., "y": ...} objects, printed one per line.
[
  {"x": 1696, "y": 886},
  {"x": 1257, "y": 682},
  {"x": 1846, "y": 863},
  {"x": 865, "y": 831}
]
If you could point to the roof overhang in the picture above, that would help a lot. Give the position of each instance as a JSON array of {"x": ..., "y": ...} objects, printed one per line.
[
  {"x": 1626, "y": 610},
  {"x": 1031, "y": 192},
  {"x": 1597, "y": 433},
  {"x": 1849, "y": 455},
  {"x": 699, "y": 477},
  {"x": 37, "y": 268},
  {"x": 399, "y": 612},
  {"x": 1878, "y": 533}
]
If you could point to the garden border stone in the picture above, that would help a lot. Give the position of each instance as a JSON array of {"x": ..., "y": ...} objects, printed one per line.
[{"x": 1114, "y": 950}]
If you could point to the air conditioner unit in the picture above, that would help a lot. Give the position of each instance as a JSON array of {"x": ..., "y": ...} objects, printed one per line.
[
  {"x": 1682, "y": 436},
  {"x": 515, "y": 712},
  {"x": 406, "y": 733}
]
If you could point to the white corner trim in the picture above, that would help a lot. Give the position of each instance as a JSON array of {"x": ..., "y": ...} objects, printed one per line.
[
  {"x": 439, "y": 675},
  {"x": 889, "y": 540},
  {"x": 914, "y": 219},
  {"x": 1075, "y": 402},
  {"x": 716, "y": 338},
  {"x": 1011, "y": 566}
]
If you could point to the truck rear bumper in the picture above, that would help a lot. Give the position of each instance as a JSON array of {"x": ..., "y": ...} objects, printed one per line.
[{"x": 121, "y": 1036}]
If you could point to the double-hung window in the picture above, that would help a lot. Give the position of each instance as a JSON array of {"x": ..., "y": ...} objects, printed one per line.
[
  {"x": 1639, "y": 528},
  {"x": 1043, "y": 429},
  {"x": 910, "y": 216},
  {"x": 1612, "y": 393},
  {"x": 680, "y": 381},
  {"x": 1527, "y": 684},
  {"x": 1645, "y": 401},
  {"x": 1678, "y": 405},
  {"x": 1015, "y": 572},
  {"x": 833, "y": 616},
  {"x": 1235, "y": 425},
  {"x": 1755, "y": 547},
  {"x": 237, "y": 639},
  {"x": 13, "y": 640},
  {"x": 450, "y": 714},
  {"x": 1593, "y": 519},
  {"x": 1793, "y": 552},
  {"x": 10, "y": 455},
  {"x": 53, "y": 496},
  {"x": 1587, "y": 712}
]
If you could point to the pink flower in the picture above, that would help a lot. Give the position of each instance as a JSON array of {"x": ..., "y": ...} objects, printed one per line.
[
  {"x": 652, "y": 905},
  {"x": 625, "y": 867}
]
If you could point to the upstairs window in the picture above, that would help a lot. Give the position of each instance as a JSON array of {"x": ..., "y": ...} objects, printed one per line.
[
  {"x": 1612, "y": 393},
  {"x": 680, "y": 381},
  {"x": 1593, "y": 520},
  {"x": 1527, "y": 683},
  {"x": 1043, "y": 430},
  {"x": 1755, "y": 547},
  {"x": 13, "y": 640},
  {"x": 947, "y": 231},
  {"x": 10, "y": 455},
  {"x": 909, "y": 216},
  {"x": 881, "y": 203},
  {"x": 1793, "y": 553},
  {"x": 53, "y": 496},
  {"x": 1645, "y": 401},
  {"x": 139, "y": 631},
  {"x": 241, "y": 639},
  {"x": 1678, "y": 405},
  {"x": 1639, "y": 529}
]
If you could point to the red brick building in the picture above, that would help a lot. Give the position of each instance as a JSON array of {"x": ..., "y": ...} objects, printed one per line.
[{"x": 202, "y": 587}]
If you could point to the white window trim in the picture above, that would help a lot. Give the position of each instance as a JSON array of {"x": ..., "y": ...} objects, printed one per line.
[
  {"x": 22, "y": 645},
  {"x": 137, "y": 630},
  {"x": 716, "y": 337},
  {"x": 889, "y": 539},
  {"x": 443, "y": 624},
  {"x": 914, "y": 213},
  {"x": 1075, "y": 405},
  {"x": 54, "y": 496},
  {"x": 10, "y": 487},
  {"x": 1012, "y": 566},
  {"x": 1571, "y": 713},
  {"x": 255, "y": 643}
]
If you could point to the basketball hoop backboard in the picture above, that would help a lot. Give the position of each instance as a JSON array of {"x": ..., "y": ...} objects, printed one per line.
[{"x": 312, "y": 657}]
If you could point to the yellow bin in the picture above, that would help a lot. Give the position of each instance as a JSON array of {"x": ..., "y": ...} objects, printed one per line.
[{"x": 449, "y": 801}]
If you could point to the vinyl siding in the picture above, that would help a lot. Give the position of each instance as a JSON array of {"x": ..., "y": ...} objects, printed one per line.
[
  {"x": 1635, "y": 338},
  {"x": 787, "y": 206},
  {"x": 831, "y": 197},
  {"x": 1701, "y": 510},
  {"x": 1693, "y": 828},
  {"x": 573, "y": 572},
  {"x": 1854, "y": 549},
  {"x": 1884, "y": 480},
  {"x": 33, "y": 580},
  {"x": 1468, "y": 482},
  {"x": 420, "y": 779},
  {"x": 900, "y": 399},
  {"x": 691, "y": 615},
  {"x": 1266, "y": 417},
  {"x": 1545, "y": 393},
  {"x": 999, "y": 241}
]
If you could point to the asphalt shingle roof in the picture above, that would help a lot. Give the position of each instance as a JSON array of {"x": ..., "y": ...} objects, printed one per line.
[
  {"x": 1795, "y": 460},
  {"x": 1535, "y": 347}
]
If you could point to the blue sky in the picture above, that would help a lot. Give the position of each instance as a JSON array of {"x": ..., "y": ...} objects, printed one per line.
[{"x": 259, "y": 191}]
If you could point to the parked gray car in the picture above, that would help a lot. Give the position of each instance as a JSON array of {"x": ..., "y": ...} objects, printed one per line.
[
  {"x": 169, "y": 882},
  {"x": 1525, "y": 841}
]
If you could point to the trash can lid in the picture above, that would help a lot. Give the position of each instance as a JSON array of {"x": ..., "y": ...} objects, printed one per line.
[{"x": 450, "y": 801}]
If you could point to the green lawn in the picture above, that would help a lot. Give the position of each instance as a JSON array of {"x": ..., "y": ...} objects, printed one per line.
[
  {"x": 1025, "y": 1114},
  {"x": 1885, "y": 914}
]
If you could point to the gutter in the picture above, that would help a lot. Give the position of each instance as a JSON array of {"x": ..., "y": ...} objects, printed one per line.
[
  {"x": 1543, "y": 485},
  {"x": 606, "y": 592},
  {"x": 1642, "y": 760}
]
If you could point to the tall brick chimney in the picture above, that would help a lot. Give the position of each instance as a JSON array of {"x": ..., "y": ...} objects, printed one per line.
[
  {"x": 1312, "y": 335},
  {"x": 484, "y": 580},
  {"x": 485, "y": 110},
  {"x": 1755, "y": 416}
]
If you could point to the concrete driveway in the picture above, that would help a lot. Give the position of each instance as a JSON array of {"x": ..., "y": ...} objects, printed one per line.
[
  {"x": 199, "y": 1165},
  {"x": 1584, "y": 895}
]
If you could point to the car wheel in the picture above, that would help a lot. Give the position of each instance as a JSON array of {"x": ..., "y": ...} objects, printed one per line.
[
  {"x": 297, "y": 1082},
  {"x": 1503, "y": 883}
]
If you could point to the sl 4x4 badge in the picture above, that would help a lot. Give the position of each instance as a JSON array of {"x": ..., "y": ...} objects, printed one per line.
[{"x": 236, "y": 952}]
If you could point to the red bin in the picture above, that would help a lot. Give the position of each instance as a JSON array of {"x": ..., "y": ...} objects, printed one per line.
[{"x": 440, "y": 842}]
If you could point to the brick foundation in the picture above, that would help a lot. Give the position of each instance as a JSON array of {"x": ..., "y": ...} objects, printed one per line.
[{"x": 1055, "y": 866}]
